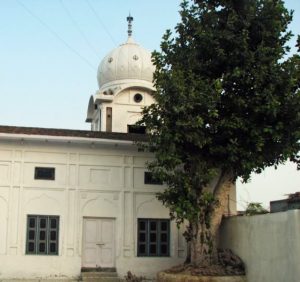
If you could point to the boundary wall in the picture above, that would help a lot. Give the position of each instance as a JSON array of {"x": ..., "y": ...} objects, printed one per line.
[{"x": 268, "y": 244}]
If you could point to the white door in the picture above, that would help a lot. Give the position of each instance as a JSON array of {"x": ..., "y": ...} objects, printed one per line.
[{"x": 98, "y": 242}]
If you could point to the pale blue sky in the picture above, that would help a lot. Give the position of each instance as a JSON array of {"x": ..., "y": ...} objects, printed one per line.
[
  {"x": 45, "y": 79},
  {"x": 50, "y": 51}
]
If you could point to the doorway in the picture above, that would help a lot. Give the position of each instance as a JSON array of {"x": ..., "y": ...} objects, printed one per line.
[{"x": 98, "y": 242}]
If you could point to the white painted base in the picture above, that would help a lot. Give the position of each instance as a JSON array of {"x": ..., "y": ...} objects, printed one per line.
[{"x": 34, "y": 267}]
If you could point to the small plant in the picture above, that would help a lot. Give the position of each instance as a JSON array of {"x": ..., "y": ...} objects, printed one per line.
[
  {"x": 255, "y": 208},
  {"x": 130, "y": 277}
]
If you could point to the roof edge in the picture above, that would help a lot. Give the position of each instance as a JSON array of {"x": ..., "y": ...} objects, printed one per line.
[{"x": 19, "y": 132}]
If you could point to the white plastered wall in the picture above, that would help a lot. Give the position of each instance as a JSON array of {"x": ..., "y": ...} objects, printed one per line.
[
  {"x": 90, "y": 181},
  {"x": 268, "y": 244},
  {"x": 125, "y": 111}
]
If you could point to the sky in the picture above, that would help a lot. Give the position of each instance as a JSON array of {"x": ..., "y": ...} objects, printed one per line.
[{"x": 50, "y": 51}]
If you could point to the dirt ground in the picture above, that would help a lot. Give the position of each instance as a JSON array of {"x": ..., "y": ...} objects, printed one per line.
[{"x": 229, "y": 265}]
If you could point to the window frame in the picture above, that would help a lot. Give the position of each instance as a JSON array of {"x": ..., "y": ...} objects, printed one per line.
[
  {"x": 158, "y": 232},
  {"x": 37, "y": 229},
  {"x": 38, "y": 177},
  {"x": 150, "y": 180},
  {"x": 136, "y": 129},
  {"x": 138, "y": 98}
]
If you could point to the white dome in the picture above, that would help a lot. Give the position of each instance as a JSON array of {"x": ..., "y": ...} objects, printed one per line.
[{"x": 128, "y": 61}]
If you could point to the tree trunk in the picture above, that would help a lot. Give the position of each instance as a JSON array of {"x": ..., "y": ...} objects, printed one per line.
[
  {"x": 202, "y": 252},
  {"x": 221, "y": 193},
  {"x": 204, "y": 240}
]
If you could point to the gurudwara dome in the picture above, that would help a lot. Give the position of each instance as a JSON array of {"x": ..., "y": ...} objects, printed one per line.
[
  {"x": 129, "y": 61},
  {"x": 125, "y": 87}
]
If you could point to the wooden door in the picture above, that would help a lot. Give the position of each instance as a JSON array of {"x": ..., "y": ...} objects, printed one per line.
[{"x": 98, "y": 242}]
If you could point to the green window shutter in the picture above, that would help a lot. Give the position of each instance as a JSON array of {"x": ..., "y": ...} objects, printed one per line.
[
  {"x": 53, "y": 235},
  {"x": 42, "y": 235},
  {"x": 153, "y": 238},
  {"x": 31, "y": 235}
]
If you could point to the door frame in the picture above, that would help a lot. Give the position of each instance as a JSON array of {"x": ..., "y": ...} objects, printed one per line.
[{"x": 114, "y": 220}]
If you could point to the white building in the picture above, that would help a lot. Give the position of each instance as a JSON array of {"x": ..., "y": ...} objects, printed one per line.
[
  {"x": 72, "y": 199},
  {"x": 125, "y": 86}
]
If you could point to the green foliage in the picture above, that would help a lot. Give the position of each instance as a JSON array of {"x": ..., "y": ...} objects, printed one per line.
[
  {"x": 228, "y": 99},
  {"x": 254, "y": 209}
]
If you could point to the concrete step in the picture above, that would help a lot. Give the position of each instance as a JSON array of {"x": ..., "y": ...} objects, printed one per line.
[
  {"x": 101, "y": 279},
  {"x": 99, "y": 276},
  {"x": 98, "y": 269}
]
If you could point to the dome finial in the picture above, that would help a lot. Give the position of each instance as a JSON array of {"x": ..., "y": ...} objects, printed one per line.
[{"x": 129, "y": 20}]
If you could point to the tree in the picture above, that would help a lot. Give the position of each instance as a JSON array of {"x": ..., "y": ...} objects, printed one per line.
[
  {"x": 228, "y": 104},
  {"x": 254, "y": 209}
]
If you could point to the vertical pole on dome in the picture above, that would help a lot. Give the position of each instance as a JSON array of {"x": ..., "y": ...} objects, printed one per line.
[{"x": 129, "y": 20}]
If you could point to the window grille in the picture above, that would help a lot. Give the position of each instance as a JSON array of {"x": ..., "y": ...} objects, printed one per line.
[
  {"x": 42, "y": 235},
  {"x": 153, "y": 237}
]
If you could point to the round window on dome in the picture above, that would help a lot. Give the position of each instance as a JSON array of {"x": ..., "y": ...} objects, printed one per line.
[{"x": 138, "y": 98}]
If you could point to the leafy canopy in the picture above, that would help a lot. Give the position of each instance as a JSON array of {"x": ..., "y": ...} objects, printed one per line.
[{"x": 228, "y": 97}]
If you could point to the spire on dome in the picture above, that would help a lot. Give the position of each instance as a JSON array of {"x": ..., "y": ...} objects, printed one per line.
[{"x": 129, "y": 20}]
